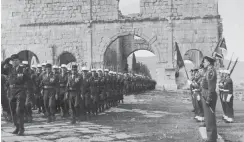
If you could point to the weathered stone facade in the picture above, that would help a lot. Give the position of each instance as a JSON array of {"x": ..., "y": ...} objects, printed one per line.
[{"x": 87, "y": 29}]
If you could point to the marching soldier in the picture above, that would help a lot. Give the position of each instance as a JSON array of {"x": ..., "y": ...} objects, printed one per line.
[
  {"x": 49, "y": 83},
  {"x": 209, "y": 96},
  {"x": 93, "y": 80},
  {"x": 38, "y": 94},
  {"x": 73, "y": 88},
  {"x": 85, "y": 93},
  {"x": 107, "y": 83},
  {"x": 228, "y": 96},
  {"x": 17, "y": 77},
  {"x": 191, "y": 88},
  {"x": 101, "y": 93},
  {"x": 63, "y": 102}
]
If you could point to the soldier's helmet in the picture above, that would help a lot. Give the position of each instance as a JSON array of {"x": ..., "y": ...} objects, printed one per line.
[
  {"x": 44, "y": 64},
  {"x": 33, "y": 66},
  {"x": 63, "y": 66},
  {"x": 48, "y": 65},
  {"x": 55, "y": 67},
  {"x": 99, "y": 70},
  {"x": 106, "y": 70},
  {"x": 93, "y": 70},
  {"x": 69, "y": 69},
  {"x": 39, "y": 66},
  {"x": 25, "y": 62},
  {"x": 84, "y": 69}
]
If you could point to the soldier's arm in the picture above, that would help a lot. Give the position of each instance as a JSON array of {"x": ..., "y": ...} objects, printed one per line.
[{"x": 230, "y": 86}]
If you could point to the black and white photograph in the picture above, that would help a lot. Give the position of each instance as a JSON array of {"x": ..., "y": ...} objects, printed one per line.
[{"x": 122, "y": 71}]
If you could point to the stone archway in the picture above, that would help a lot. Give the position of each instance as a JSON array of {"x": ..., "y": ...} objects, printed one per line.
[
  {"x": 66, "y": 58},
  {"x": 194, "y": 55},
  {"x": 120, "y": 47},
  {"x": 26, "y": 55}
]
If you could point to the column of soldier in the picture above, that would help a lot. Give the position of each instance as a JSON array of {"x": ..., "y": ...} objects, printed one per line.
[
  {"x": 204, "y": 95},
  {"x": 70, "y": 92}
]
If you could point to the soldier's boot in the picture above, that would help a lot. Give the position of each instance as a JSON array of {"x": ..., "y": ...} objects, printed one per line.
[
  {"x": 53, "y": 118},
  {"x": 21, "y": 131},
  {"x": 49, "y": 119},
  {"x": 16, "y": 131},
  {"x": 30, "y": 119},
  {"x": 21, "y": 125}
]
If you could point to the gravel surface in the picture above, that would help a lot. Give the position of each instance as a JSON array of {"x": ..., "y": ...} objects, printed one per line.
[{"x": 154, "y": 116}]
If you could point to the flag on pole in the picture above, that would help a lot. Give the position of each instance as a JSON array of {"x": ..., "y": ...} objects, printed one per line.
[{"x": 179, "y": 61}]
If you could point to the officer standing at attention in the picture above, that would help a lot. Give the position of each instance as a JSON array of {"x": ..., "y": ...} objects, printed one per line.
[
  {"x": 228, "y": 93},
  {"x": 17, "y": 77},
  {"x": 209, "y": 96}
]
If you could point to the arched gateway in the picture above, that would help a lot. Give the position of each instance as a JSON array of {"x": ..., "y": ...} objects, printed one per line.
[{"x": 87, "y": 33}]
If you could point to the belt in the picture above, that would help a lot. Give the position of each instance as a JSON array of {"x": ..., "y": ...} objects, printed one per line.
[
  {"x": 48, "y": 87},
  {"x": 196, "y": 90},
  {"x": 16, "y": 86},
  {"x": 225, "y": 90}
]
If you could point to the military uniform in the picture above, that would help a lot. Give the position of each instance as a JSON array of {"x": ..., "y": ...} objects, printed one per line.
[
  {"x": 74, "y": 94},
  {"x": 85, "y": 92},
  {"x": 228, "y": 98},
  {"x": 209, "y": 100},
  {"x": 221, "y": 95},
  {"x": 63, "y": 103},
  {"x": 93, "y": 81},
  {"x": 49, "y": 84},
  {"x": 17, "y": 77}
]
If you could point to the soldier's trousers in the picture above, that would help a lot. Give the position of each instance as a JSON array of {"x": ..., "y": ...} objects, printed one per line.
[
  {"x": 28, "y": 104},
  {"x": 62, "y": 102},
  {"x": 5, "y": 103},
  {"x": 74, "y": 104},
  {"x": 193, "y": 100},
  {"x": 221, "y": 97},
  {"x": 199, "y": 108},
  {"x": 49, "y": 101},
  {"x": 229, "y": 111},
  {"x": 17, "y": 103},
  {"x": 209, "y": 116}
]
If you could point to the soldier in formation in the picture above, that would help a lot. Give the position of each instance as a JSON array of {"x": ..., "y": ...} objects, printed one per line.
[{"x": 51, "y": 90}]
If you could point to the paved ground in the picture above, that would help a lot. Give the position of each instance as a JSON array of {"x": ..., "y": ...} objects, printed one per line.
[{"x": 152, "y": 116}]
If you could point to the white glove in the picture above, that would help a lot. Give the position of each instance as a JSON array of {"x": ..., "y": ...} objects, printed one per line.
[
  {"x": 228, "y": 97},
  {"x": 198, "y": 98}
]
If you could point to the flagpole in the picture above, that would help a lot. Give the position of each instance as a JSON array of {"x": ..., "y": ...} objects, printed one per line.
[
  {"x": 233, "y": 66},
  {"x": 230, "y": 61}
]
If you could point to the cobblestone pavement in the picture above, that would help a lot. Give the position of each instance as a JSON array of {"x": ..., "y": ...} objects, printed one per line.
[{"x": 151, "y": 116}]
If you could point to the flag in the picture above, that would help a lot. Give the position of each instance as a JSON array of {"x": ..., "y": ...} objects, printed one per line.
[
  {"x": 179, "y": 59},
  {"x": 221, "y": 47}
]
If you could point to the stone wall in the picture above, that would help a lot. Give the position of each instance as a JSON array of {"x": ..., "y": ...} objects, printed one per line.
[
  {"x": 38, "y": 25},
  {"x": 178, "y": 8}
]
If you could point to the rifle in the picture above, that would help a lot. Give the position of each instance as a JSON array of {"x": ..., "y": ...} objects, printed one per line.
[
  {"x": 230, "y": 61},
  {"x": 234, "y": 66}
]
